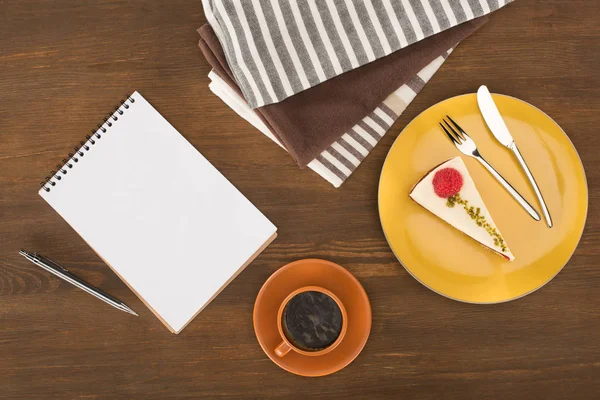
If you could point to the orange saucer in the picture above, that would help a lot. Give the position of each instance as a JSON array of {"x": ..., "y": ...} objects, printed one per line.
[{"x": 330, "y": 276}]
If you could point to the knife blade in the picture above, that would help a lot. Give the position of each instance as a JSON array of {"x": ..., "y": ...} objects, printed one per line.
[
  {"x": 492, "y": 117},
  {"x": 498, "y": 127}
]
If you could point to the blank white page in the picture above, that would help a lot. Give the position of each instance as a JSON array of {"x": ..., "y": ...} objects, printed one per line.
[{"x": 159, "y": 214}]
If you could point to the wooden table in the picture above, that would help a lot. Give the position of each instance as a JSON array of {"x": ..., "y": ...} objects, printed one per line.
[{"x": 62, "y": 66}]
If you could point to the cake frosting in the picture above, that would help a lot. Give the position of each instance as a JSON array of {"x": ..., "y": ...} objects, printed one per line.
[{"x": 448, "y": 191}]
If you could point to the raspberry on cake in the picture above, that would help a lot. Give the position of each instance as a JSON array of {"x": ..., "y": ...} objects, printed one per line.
[
  {"x": 448, "y": 191},
  {"x": 447, "y": 182}
]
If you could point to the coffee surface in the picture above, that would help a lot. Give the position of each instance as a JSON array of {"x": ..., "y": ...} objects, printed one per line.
[{"x": 312, "y": 321}]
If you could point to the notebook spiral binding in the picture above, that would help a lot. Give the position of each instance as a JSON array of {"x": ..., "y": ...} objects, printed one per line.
[{"x": 85, "y": 146}]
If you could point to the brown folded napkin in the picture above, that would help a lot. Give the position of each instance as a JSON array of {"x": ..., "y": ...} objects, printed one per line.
[{"x": 308, "y": 122}]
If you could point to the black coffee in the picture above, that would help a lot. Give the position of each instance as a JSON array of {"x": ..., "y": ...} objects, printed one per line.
[{"x": 312, "y": 321}]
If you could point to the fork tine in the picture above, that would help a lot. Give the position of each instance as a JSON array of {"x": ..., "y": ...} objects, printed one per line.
[
  {"x": 461, "y": 130},
  {"x": 457, "y": 135},
  {"x": 452, "y": 138}
]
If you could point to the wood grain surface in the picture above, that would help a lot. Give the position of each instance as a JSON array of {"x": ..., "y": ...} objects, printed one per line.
[{"x": 64, "y": 64}]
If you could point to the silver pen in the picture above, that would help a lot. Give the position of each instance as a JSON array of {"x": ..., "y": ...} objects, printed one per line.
[{"x": 56, "y": 269}]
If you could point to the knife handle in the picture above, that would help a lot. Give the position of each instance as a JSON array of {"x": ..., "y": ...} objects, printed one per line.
[
  {"x": 509, "y": 188},
  {"x": 536, "y": 189}
]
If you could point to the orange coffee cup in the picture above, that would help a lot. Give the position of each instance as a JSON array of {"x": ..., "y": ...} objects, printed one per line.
[{"x": 286, "y": 346}]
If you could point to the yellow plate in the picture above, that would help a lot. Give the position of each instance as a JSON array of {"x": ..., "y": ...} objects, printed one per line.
[{"x": 454, "y": 265}]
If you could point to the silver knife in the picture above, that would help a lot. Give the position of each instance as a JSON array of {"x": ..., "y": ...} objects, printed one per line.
[{"x": 494, "y": 121}]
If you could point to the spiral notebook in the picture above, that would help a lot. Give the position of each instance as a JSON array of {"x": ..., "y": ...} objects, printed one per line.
[{"x": 157, "y": 212}]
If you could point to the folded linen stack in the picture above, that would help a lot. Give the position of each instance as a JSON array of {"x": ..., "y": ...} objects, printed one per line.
[{"x": 327, "y": 79}]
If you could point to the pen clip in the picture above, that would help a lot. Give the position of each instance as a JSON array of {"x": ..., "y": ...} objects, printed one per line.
[{"x": 50, "y": 262}]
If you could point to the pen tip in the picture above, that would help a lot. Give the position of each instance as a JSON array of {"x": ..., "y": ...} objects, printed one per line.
[{"x": 128, "y": 310}]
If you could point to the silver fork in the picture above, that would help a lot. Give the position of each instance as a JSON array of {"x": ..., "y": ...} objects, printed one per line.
[{"x": 467, "y": 146}]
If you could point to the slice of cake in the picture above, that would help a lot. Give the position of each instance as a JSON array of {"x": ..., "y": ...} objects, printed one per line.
[{"x": 450, "y": 193}]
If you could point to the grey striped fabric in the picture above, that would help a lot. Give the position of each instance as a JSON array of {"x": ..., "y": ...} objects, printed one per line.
[{"x": 277, "y": 48}]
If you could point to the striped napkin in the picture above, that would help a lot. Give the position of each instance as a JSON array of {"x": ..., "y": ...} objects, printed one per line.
[
  {"x": 279, "y": 48},
  {"x": 308, "y": 123},
  {"x": 274, "y": 61},
  {"x": 339, "y": 161}
]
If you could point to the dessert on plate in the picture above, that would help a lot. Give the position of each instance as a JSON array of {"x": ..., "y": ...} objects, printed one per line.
[{"x": 448, "y": 191}]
